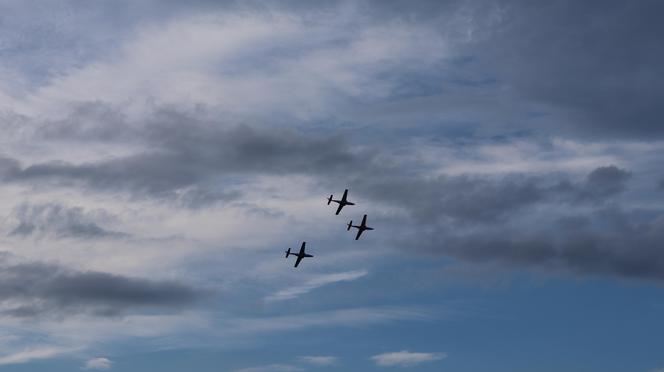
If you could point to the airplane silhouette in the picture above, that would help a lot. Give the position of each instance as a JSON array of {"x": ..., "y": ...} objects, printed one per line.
[
  {"x": 361, "y": 228},
  {"x": 342, "y": 203},
  {"x": 300, "y": 255}
]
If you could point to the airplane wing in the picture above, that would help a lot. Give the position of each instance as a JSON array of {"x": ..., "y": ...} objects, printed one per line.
[
  {"x": 364, "y": 221},
  {"x": 343, "y": 198},
  {"x": 341, "y": 205},
  {"x": 297, "y": 262},
  {"x": 359, "y": 232},
  {"x": 302, "y": 249}
]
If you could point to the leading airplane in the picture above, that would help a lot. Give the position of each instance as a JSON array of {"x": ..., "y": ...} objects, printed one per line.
[
  {"x": 342, "y": 203},
  {"x": 299, "y": 256},
  {"x": 361, "y": 228}
]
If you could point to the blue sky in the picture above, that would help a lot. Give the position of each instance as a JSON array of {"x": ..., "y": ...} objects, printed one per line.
[{"x": 157, "y": 159}]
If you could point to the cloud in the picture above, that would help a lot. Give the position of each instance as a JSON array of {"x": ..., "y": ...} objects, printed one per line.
[
  {"x": 320, "y": 360},
  {"x": 479, "y": 199},
  {"x": 189, "y": 166},
  {"x": 61, "y": 221},
  {"x": 311, "y": 284},
  {"x": 98, "y": 363},
  {"x": 606, "y": 181},
  {"x": 192, "y": 167},
  {"x": 609, "y": 242},
  {"x": 615, "y": 100},
  {"x": 208, "y": 124},
  {"x": 32, "y": 354},
  {"x": 344, "y": 317},
  {"x": 405, "y": 358},
  {"x": 40, "y": 290},
  {"x": 271, "y": 368}
]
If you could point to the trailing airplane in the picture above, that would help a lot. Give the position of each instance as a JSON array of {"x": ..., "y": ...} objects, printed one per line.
[
  {"x": 361, "y": 228},
  {"x": 300, "y": 255},
  {"x": 342, "y": 203}
]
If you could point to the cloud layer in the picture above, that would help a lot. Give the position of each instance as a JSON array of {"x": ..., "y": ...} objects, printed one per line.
[{"x": 153, "y": 149}]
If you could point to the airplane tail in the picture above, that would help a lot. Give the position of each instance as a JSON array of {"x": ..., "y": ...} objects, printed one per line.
[
  {"x": 329, "y": 200},
  {"x": 288, "y": 253},
  {"x": 350, "y": 224}
]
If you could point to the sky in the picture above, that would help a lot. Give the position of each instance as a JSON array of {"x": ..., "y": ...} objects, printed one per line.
[{"x": 158, "y": 157}]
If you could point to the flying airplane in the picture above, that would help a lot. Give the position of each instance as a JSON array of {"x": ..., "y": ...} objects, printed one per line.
[
  {"x": 360, "y": 229},
  {"x": 300, "y": 255},
  {"x": 342, "y": 203}
]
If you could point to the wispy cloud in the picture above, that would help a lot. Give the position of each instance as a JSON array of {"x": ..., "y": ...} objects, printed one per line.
[
  {"x": 310, "y": 285},
  {"x": 98, "y": 363},
  {"x": 345, "y": 317},
  {"x": 405, "y": 358},
  {"x": 319, "y": 360},
  {"x": 271, "y": 368},
  {"x": 32, "y": 354}
]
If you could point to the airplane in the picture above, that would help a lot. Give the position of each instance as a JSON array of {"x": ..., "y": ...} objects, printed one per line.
[
  {"x": 342, "y": 203},
  {"x": 360, "y": 229},
  {"x": 300, "y": 255}
]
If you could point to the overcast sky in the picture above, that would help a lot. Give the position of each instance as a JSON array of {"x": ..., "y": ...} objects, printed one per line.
[{"x": 157, "y": 159}]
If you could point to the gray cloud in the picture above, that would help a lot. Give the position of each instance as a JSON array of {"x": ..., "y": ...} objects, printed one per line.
[
  {"x": 183, "y": 159},
  {"x": 599, "y": 63},
  {"x": 61, "y": 221},
  {"x": 39, "y": 289},
  {"x": 606, "y": 181},
  {"x": 462, "y": 197},
  {"x": 607, "y": 242},
  {"x": 483, "y": 199}
]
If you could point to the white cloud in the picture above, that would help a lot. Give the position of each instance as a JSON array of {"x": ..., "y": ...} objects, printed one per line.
[
  {"x": 242, "y": 64},
  {"x": 345, "y": 317},
  {"x": 271, "y": 368},
  {"x": 98, "y": 363},
  {"x": 319, "y": 360},
  {"x": 316, "y": 282},
  {"x": 405, "y": 358},
  {"x": 32, "y": 354}
]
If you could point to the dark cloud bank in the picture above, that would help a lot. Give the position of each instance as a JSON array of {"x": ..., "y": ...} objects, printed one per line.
[
  {"x": 485, "y": 220},
  {"x": 601, "y": 62},
  {"x": 46, "y": 290},
  {"x": 623, "y": 247}
]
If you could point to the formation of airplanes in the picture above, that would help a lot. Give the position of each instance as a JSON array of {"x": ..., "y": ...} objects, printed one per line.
[{"x": 362, "y": 227}]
